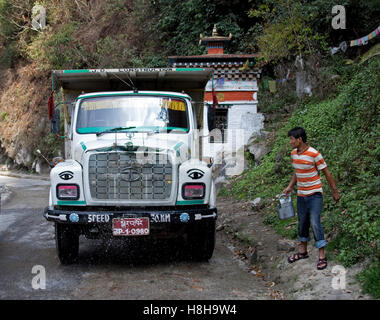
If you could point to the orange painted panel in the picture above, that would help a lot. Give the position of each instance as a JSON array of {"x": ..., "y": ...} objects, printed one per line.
[
  {"x": 232, "y": 96},
  {"x": 215, "y": 51}
]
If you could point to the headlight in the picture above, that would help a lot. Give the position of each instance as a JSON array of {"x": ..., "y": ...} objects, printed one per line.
[
  {"x": 193, "y": 191},
  {"x": 68, "y": 192}
]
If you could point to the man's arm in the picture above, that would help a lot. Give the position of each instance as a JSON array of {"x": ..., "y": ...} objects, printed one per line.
[
  {"x": 332, "y": 184},
  {"x": 291, "y": 185}
]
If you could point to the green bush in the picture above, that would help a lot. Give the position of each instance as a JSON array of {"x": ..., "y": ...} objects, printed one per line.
[
  {"x": 4, "y": 116},
  {"x": 345, "y": 129},
  {"x": 7, "y": 26},
  {"x": 7, "y": 56},
  {"x": 370, "y": 280},
  {"x": 51, "y": 146},
  {"x": 57, "y": 50}
]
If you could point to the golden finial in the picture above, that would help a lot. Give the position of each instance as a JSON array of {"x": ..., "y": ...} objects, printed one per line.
[{"x": 214, "y": 31}]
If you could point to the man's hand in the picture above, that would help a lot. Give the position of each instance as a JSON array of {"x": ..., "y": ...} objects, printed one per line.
[
  {"x": 287, "y": 190},
  {"x": 331, "y": 181},
  {"x": 336, "y": 195}
]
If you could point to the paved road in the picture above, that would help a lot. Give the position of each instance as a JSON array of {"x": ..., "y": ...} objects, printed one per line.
[{"x": 106, "y": 270}]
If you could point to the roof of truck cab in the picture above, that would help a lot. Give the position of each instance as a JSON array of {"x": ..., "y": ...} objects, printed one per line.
[
  {"x": 157, "y": 79},
  {"x": 132, "y": 93}
]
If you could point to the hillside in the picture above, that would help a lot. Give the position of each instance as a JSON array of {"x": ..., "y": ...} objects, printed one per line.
[{"x": 346, "y": 129}]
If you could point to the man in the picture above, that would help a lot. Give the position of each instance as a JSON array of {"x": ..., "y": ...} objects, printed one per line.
[{"x": 307, "y": 163}]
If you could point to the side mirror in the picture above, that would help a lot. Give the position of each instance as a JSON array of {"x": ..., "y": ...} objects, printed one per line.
[
  {"x": 55, "y": 122},
  {"x": 211, "y": 118}
]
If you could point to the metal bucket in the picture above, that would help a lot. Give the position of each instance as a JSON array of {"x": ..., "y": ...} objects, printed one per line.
[{"x": 285, "y": 209}]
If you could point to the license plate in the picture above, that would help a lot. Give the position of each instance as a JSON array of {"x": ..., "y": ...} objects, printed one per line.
[{"x": 130, "y": 226}]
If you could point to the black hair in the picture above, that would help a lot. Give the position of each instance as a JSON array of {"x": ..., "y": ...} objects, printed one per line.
[{"x": 298, "y": 132}]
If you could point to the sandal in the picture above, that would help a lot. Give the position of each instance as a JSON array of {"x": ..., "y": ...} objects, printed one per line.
[
  {"x": 297, "y": 256},
  {"x": 322, "y": 264}
]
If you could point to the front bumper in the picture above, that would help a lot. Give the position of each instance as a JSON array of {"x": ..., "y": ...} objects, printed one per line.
[
  {"x": 98, "y": 217},
  {"x": 163, "y": 223}
]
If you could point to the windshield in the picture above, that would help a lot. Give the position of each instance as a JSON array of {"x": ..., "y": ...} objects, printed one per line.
[{"x": 132, "y": 113}]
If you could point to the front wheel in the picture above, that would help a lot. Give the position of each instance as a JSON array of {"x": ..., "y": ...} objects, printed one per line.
[
  {"x": 67, "y": 243},
  {"x": 202, "y": 242}
]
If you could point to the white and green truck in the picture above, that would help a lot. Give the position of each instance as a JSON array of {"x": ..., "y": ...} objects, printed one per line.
[{"x": 132, "y": 164}]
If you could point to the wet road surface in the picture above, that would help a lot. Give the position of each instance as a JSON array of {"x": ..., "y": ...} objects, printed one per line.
[{"x": 107, "y": 269}]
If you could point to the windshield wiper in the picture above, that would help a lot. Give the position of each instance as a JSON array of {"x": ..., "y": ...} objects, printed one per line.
[
  {"x": 168, "y": 129},
  {"x": 114, "y": 130},
  {"x": 148, "y": 129}
]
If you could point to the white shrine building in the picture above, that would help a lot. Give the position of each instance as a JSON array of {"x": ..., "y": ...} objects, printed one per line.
[{"x": 235, "y": 85}]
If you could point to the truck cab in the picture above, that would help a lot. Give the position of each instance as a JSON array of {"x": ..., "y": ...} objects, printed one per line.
[{"x": 133, "y": 166}]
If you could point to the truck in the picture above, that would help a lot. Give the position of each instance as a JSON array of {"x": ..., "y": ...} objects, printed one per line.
[{"x": 133, "y": 167}]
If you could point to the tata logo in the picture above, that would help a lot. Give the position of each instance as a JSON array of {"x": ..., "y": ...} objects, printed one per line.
[
  {"x": 129, "y": 145},
  {"x": 129, "y": 174},
  {"x": 66, "y": 175}
]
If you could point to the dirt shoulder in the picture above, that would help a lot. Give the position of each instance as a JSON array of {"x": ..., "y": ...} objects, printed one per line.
[{"x": 265, "y": 254}]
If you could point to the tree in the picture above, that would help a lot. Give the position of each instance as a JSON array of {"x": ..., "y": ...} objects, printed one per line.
[
  {"x": 286, "y": 30},
  {"x": 302, "y": 27}
]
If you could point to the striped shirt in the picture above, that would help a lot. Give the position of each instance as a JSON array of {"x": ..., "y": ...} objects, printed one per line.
[{"x": 307, "y": 166}]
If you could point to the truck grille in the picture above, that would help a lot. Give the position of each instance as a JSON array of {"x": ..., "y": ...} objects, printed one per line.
[{"x": 118, "y": 175}]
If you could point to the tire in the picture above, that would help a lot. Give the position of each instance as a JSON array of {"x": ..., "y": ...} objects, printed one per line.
[
  {"x": 202, "y": 242},
  {"x": 67, "y": 243}
]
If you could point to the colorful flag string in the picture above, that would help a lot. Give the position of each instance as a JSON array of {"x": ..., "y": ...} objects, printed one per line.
[{"x": 363, "y": 41}]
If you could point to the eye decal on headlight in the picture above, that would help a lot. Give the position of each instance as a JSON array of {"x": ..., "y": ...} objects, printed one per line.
[
  {"x": 195, "y": 174},
  {"x": 66, "y": 175}
]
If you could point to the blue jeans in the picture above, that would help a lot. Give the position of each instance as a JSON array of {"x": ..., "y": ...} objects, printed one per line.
[{"x": 309, "y": 211}]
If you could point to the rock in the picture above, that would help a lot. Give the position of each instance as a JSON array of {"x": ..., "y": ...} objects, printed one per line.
[
  {"x": 38, "y": 167},
  {"x": 264, "y": 134},
  {"x": 3, "y": 158},
  {"x": 256, "y": 203},
  {"x": 284, "y": 245},
  {"x": 257, "y": 145},
  {"x": 221, "y": 180},
  {"x": 220, "y": 227},
  {"x": 254, "y": 258},
  {"x": 335, "y": 77},
  {"x": 262, "y": 258},
  {"x": 42, "y": 167},
  {"x": 258, "y": 150},
  {"x": 277, "y": 279},
  {"x": 34, "y": 164},
  {"x": 23, "y": 157},
  {"x": 5, "y": 195}
]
